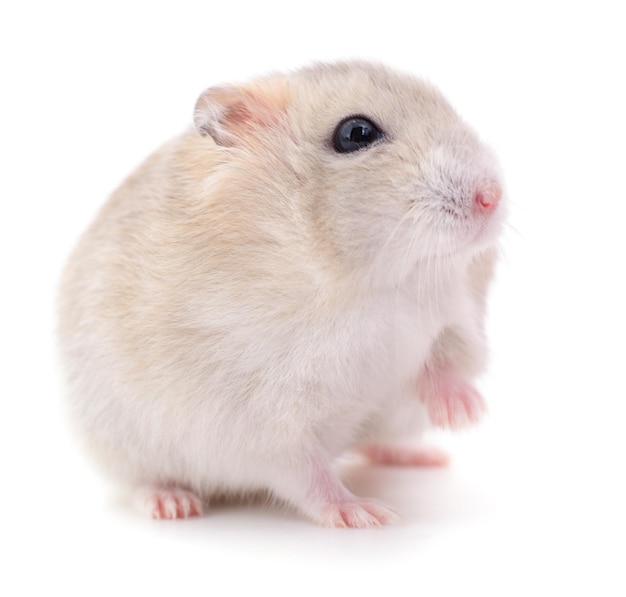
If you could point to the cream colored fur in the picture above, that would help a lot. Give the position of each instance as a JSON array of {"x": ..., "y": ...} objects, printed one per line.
[{"x": 249, "y": 303}]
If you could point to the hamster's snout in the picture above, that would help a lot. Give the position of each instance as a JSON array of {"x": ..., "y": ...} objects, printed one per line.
[{"x": 488, "y": 199}]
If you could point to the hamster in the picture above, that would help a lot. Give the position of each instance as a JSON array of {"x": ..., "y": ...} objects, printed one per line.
[{"x": 302, "y": 273}]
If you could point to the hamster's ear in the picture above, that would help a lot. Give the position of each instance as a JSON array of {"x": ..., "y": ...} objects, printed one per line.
[{"x": 229, "y": 114}]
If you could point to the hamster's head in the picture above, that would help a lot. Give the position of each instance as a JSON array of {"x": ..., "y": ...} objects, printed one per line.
[{"x": 378, "y": 165}]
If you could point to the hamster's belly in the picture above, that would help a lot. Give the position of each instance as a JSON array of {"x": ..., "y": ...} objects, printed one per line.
[{"x": 214, "y": 423}]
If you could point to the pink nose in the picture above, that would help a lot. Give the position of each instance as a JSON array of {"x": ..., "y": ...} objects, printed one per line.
[{"x": 487, "y": 199}]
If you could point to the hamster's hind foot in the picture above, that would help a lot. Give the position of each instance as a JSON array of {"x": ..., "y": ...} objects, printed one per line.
[
  {"x": 328, "y": 501},
  {"x": 168, "y": 503},
  {"x": 358, "y": 514},
  {"x": 451, "y": 400},
  {"x": 402, "y": 455}
]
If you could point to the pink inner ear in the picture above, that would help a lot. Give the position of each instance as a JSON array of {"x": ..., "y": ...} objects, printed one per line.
[
  {"x": 228, "y": 113},
  {"x": 248, "y": 111}
]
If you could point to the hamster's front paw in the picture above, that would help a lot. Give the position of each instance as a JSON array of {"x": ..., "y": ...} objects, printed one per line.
[
  {"x": 451, "y": 400},
  {"x": 169, "y": 503}
]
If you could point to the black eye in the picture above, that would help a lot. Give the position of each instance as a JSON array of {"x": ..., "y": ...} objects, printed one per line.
[{"x": 355, "y": 133}]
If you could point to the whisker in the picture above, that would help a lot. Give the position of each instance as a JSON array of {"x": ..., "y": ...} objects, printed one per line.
[{"x": 383, "y": 250}]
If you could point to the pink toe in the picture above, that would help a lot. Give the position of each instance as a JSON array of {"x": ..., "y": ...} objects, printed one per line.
[
  {"x": 451, "y": 400},
  {"x": 170, "y": 503}
]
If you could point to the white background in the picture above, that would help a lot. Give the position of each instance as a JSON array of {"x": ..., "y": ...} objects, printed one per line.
[{"x": 534, "y": 501}]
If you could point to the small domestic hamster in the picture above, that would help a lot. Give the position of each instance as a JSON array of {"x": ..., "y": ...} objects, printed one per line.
[{"x": 302, "y": 273}]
